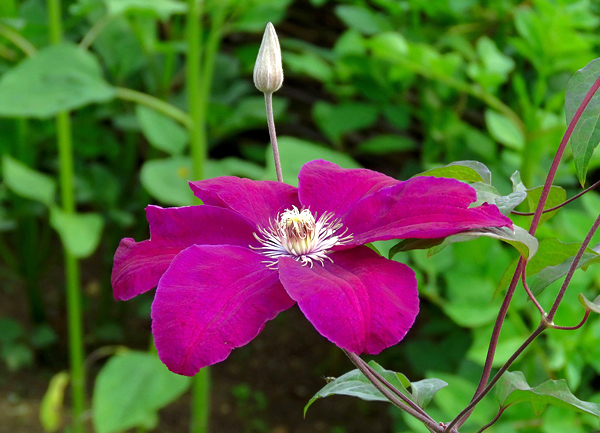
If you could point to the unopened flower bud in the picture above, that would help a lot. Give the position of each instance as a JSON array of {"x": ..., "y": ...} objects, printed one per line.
[{"x": 268, "y": 71}]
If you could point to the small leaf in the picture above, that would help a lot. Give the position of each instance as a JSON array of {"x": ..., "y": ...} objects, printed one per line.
[
  {"x": 58, "y": 78},
  {"x": 556, "y": 196},
  {"x": 589, "y": 305},
  {"x": 459, "y": 171},
  {"x": 355, "y": 384},
  {"x": 362, "y": 19},
  {"x": 162, "y": 9},
  {"x": 161, "y": 131},
  {"x": 586, "y": 135},
  {"x": 504, "y": 130},
  {"x": 167, "y": 180},
  {"x": 489, "y": 194},
  {"x": 27, "y": 182},
  {"x": 51, "y": 407},
  {"x": 79, "y": 233},
  {"x": 130, "y": 389},
  {"x": 526, "y": 244},
  {"x": 552, "y": 273},
  {"x": 337, "y": 120},
  {"x": 512, "y": 388}
]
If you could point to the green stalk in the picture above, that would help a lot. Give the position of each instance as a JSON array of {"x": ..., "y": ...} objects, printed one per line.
[{"x": 65, "y": 154}]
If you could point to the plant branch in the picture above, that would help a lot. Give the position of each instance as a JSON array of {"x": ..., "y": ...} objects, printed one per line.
[
  {"x": 17, "y": 40},
  {"x": 94, "y": 31}
]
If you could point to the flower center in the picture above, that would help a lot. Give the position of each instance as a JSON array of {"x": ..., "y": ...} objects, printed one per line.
[{"x": 297, "y": 234}]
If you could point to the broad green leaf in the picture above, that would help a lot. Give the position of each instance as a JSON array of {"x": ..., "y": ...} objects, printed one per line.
[
  {"x": 388, "y": 46},
  {"x": 469, "y": 171},
  {"x": 58, "y": 78},
  {"x": 337, "y": 120},
  {"x": 167, "y": 180},
  {"x": 382, "y": 144},
  {"x": 79, "y": 233},
  {"x": 162, "y": 9},
  {"x": 512, "y": 388},
  {"x": 504, "y": 130},
  {"x": 130, "y": 389},
  {"x": 556, "y": 196},
  {"x": 590, "y": 305},
  {"x": 51, "y": 407},
  {"x": 308, "y": 64},
  {"x": 586, "y": 134},
  {"x": 552, "y": 273},
  {"x": 355, "y": 384},
  {"x": 161, "y": 131},
  {"x": 526, "y": 244},
  {"x": 27, "y": 182},
  {"x": 363, "y": 19},
  {"x": 295, "y": 153}
]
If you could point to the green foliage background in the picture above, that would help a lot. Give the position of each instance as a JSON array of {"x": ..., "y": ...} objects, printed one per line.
[{"x": 396, "y": 86}]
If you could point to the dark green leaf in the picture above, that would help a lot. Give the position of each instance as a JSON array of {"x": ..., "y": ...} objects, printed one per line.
[
  {"x": 161, "y": 131},
  {"x": 586, "y": 134},
  {"x": 167, "y": 180},
  {"x": 337, "y": 120},
  {"x": 130, "y": 389},
  {"x": 58, "y": 78},
  {"x": 512, "y": 388},
  {"x": 27, "y": 182}
]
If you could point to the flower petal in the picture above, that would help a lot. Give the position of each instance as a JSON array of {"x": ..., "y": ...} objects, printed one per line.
[
  {"x": 211, "y": 300},
  {"x": 138, "y": 266},
  {"x": 422, "y": 207},
  {"x": 325, "y": 186},
  {"x": 361, "y": 302},
  {"x": 259, "y": 201}
]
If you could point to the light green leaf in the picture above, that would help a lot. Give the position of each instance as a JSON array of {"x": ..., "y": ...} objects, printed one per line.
[
  {"x": 590, "y": 305},
  {"x": 130, "y": 389},
  {"x": 162, "y": 9},
  {"x": 455, "y": 171},
  {"x": 167, "y": 180},
  {"x": 295, "y": 153},
  {"x": 552, "y": 273},
  {"x": 512, "y": 388},
  {"x": 27, "y": 182},
  {"x": 161, "y": 131},
  {"x": 51, "y": 407},
  {"x": 363, "y": 19},
  {"x": 586, "y": 134},
  {"x": 556, "y": 196},
  {"x": 79, "y": 233},
  {"x": 387, "y": 143},
  {"x": 58, "y": 78},
  {"x": 504, "y": 130}
]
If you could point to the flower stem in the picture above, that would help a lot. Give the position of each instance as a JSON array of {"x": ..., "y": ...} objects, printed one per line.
[
  {"x": 197, "y": 98},
  {"x": 482, "y": 389},
  {"x": 74, "y": 316},
  {"x": 19, "y": 41},
  {"x": 273, "y": 135}
]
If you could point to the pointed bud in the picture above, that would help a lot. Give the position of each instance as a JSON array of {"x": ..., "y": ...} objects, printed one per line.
[{"x": 268, "y": 71}]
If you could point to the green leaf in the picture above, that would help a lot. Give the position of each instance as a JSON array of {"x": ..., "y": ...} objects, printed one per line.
[
  {"x": 590, "y": 305},
  {"x": 458, "y": 172},
  {"x": 79, "y": 233},
  {"x": 58, "y": 78},
  {"x": 130, "y": 389},
  {"x": 51, "y": 407},
  {"x": 586, "y": 134},
  {"x": 167, "y": 180},
  {"x": 512, "y": 388},
  {"x": 552, "y": 273},
  {"x": 387, "y": 143},
  {"x": 27, "y": 182},
  {"x": 337, "y": 120},
  {"x": 389, "y": 46},
  {"x": 556, "y": 196},
  {"x": 355, "y": 384},
  {"x": 504, "y": 130},
  {"x": 295, "y": 153},
  {"x": 162, "y": 9},
  {"x": 161, "y": 131},
  {"x": 526, "y": 244},
  {"x": 363, "y": 19},
  {"x": 489, "y": 194}
]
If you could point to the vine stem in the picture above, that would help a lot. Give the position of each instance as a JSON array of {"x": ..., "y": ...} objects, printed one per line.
[
  {"x": 273, "y": 135},
  {"x": 483, "y": 388},
  {"x": 19, "y": 41},
  {"x": 74, "y": 316}
]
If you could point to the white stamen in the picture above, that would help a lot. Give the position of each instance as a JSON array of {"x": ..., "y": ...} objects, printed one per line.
[{"x": 296, "y": 234}]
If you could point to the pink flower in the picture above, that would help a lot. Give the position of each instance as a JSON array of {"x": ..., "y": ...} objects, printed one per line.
[{"x": 256, "y": 248}]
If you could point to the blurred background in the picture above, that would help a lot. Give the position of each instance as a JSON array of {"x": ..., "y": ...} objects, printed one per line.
[{"x": 398, "y": 86}]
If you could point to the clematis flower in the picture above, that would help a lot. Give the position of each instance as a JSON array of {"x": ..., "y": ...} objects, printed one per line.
[{"x": 256, "y": 248}]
